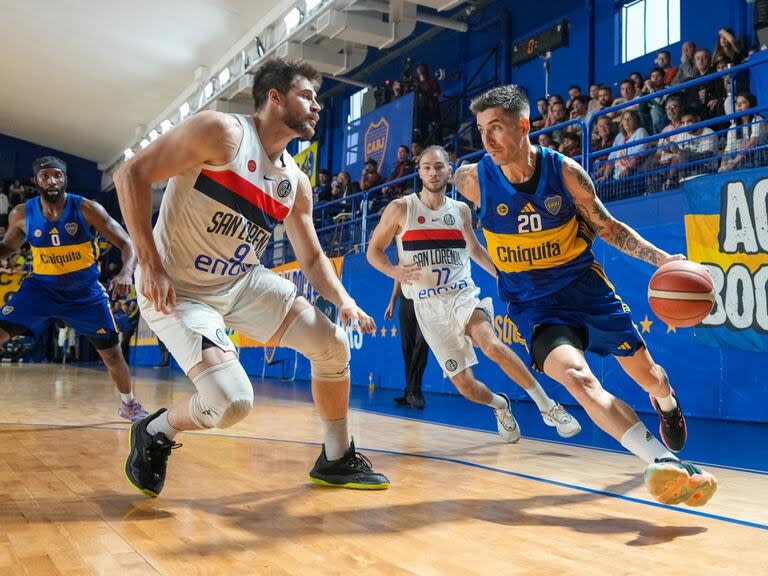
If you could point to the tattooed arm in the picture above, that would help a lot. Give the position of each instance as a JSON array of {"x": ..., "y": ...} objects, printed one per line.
[
  {"x": 613, "y": 231},
  {"x": 467, "y": 183}
]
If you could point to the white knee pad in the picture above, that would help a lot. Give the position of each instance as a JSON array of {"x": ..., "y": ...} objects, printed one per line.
[
  {"x": 324, "y": 343},
  {"x": 224, "y": 396}
]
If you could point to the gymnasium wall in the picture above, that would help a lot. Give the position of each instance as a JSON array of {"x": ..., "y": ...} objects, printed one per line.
[{"x": 16, "y": 157}]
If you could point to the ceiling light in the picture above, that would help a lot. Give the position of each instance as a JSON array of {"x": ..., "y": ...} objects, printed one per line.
[
  {"x": 292, "y": 19},
  {"x": 224, "y": 77},
  {"x": 312, "y": 4},
  {"x": 166, "y": 125},
  {"x": 128, "y": 153},
  {"x": 208, "y": 90},
  {"x": 144, "y": 143},
  {"x": 183, "y": 111},
  {"x": 154, "y": 135}
]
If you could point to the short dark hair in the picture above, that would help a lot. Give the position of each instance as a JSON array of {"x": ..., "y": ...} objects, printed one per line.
[
  {"x": 627, "y": 81},
  {"x": 657, "y": 69},
  {"x": 324, "y": 171},
  {"x": 572, "y": 86},
  {"x": 605, "y": 87},
  {"x": 280, "y": 74},
  {"x": 751, "y": 98},
  {"x": 372, "y": 162},
  {"x": 510, "y": 98},
  {"x": 572, "y": 136},
  {"x": 407, "y": 149},
  {"x": 667, "y": 52}
]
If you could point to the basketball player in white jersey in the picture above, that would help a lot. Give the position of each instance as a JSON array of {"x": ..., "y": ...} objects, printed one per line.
[
  {"x": 435, "y": 241},
  {"x": 231, "y": 182}
]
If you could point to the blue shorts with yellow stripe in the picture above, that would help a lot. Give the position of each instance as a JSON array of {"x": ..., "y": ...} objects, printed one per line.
[
  {"x": 31, "y": 308},
  {"x": 588, "y": 304}
]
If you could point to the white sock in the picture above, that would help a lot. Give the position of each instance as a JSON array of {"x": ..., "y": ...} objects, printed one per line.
[
  {"x": 667, "y": 404},
  {"x": 537, "y": 394},
  {"x": 336, "y": 438},
  {"x": 161, "y": 424},
  {"x": 126, "y": 397},
  {"x": 643, "y": 444},
  {"x": 498, "y": 402}
]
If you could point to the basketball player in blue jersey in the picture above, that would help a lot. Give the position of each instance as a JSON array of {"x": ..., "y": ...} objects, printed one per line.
[
  {"x": 540, "y": 214},
  {"x": 64, "y": 284}
]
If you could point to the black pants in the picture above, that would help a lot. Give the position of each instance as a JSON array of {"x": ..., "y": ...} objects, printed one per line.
[{"x": 415, "y": 348}]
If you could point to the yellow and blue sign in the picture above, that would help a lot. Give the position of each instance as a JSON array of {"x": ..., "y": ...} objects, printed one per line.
[
  {"x": 726, "y": 228},
  {"x": 307, "y": 162}
]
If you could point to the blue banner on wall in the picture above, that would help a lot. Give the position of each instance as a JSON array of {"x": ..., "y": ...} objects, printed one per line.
[
  {"x": 377, "y": 135},
  {"x": 726, "y": 226}
]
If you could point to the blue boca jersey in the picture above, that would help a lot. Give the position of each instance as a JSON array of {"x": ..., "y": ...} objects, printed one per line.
[
  {"x": 538, "y": 242},
  {"x": 65, "y": 254}
]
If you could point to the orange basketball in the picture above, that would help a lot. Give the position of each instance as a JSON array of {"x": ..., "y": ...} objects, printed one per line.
[{"x": 681, "y": 293}]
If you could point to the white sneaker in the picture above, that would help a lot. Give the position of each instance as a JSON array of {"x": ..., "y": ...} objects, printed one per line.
[
  {"x": 506, "y": 423},
  {"x": 567, "y": 426}
]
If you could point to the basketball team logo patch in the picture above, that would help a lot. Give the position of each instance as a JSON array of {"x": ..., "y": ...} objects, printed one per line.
[
  {"x": 252, "y": 165},
  {"x": 7, "y": 310},
  {"x": 284, "y": 188},
  {"x": 38, "y": 233},
  {"x": 421, "y": 219},
  {"x": 451, "y": 365},
  {"x": 502, "y": 209},
  {"x": 553, "y": 204},
  {"x": 449, "y": 219},
  {"x": 71, "y": 227}
]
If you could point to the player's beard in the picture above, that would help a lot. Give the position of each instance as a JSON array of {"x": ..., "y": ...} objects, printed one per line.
[
  {"x": 300, "y": 126},
  {"x": 438, "y": 189},
  {"x": 51, "y": 195}
]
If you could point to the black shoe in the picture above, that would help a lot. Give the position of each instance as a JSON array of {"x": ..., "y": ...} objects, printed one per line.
[
  {"x": 353, "y": 470},
  {"x": 148, "y": 458},
  {"x": 402, "y": 401},
  {"x": 672, "y": 428},
  {"x": 416, "y": 399}
]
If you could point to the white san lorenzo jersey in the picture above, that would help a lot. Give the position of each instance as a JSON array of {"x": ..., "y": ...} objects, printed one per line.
[
  {"x": 434, "y": 239},
  {"x": 216, "y": 221}
]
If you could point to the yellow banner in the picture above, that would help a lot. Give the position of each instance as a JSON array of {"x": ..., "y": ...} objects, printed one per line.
[
  {"x": 9, "y": 283},
  {"x": 307, "y": 161}
]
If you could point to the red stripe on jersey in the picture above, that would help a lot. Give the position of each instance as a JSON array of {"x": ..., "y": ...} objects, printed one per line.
[
  {"x": 433, "y": 234},
  {"x": 245, "y": 189}
]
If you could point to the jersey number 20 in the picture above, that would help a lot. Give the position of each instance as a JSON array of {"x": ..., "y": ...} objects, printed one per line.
[{"x": 528, "y": 223}]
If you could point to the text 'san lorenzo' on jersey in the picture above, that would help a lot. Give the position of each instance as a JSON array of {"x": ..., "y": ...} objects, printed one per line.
[
  {"x": 65, "y": 254},
  {"x": 434, "y": 239},
  {"x": 216, "y": 221},
  {"x": 538, "y": 242}
]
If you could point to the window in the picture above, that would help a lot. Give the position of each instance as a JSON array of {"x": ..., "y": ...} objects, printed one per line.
[
  {"x": 356, "y": 105},
  {"x": 647, "y": 26}
]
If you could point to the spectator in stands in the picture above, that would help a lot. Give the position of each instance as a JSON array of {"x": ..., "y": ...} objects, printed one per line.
[
  {"x": 323, "y": 188},
  {"x": 637, "y": 80},
  {"x": 397, "y": 89},
  {"x": 664, "y": 156},
  {"x": 3, "y": 231},
  {"x": 347, "y": 185},
  {"x": 664, "y": 61},
  {"x": 594, "y": 89},
  {"x": 622, "y": 163},
  {"x": 746, "y": 132},
  {"x": 427, "y": 99},
  {"x": 653, "y": 110},
  {"x": 704, "y": 95},
  {"x": 604, "y": 99},
  {"x": 5, "y": 207},
  {"x": 722, "y": 103},
  {"x": 573, "y": 92},
  {"x": 15, "y": 193},
  {"x": 628, "y": 93},
  {"x": 417, "y": 147},
  {"x": 545, "y": 141},
  {"x": 552, "y": 100},
  {"x": 538, "y": 122},
  {"x": 578, "y": 110},
  {"x": 728, "y": 46},
  {"x": 603, "y": 136},
  {"x": 694, "y": 148},
  {"x": 403, "y": 167},
  {"x": 687, "y": 70},
  {"x": 571, "y": 145},
  {"x": 5, "y": 266},
  {"x": 558, "y": 115}
]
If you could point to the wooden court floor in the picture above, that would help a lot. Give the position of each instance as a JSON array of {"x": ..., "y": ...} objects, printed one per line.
[{"x": 238, "y": 501}]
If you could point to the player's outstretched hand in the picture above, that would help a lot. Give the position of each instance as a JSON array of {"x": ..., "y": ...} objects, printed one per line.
[
  {"x": 671, "y": 258},
  {"x": 351, "y": 314},
  {"x": 390, "y": 311},
  {"x": 121, "y": 284},
  {"x": 407, "y": 273},
  {"x": 156, "y": 287}
]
